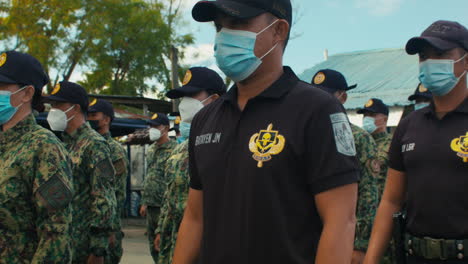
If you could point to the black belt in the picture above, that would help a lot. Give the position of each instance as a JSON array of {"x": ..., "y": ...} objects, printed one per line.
[{"x": 440, "y": 249}]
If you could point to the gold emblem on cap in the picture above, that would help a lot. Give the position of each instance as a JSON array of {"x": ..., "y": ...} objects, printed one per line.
[
  {"x": 93, "y": 102},
  {"x": 154, "y": 117},
  {"x": 422, "y": 89},
  {"x": 177, "y": 120},
  {"x": 319, "y": 78},
  {"x": 370, "y": 103},
  {"x": 56, "y": 89},
  {"x": 3, "y": 59},
  {"x": 187, "y": 78}
]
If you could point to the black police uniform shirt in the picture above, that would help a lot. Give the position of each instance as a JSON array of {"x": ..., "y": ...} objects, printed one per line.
[
  {"x": 433, "y": 154},
  {"x": 260, "y": 168}
]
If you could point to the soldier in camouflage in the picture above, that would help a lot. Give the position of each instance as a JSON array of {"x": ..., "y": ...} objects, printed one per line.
[
  {"x": 35, "y": 177},
  {"x": 100, "y": 116},
  {"x": 203, "y": 85},
  {"x": 375, "y": 122},
  {"x": 94, "y": 203},
  {"x": 156, "y": 181},
  {"x": 335, "y": 83}
]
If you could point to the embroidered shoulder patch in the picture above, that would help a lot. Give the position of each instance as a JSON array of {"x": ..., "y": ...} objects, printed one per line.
[
  {"x": 55, "y": 194},
  {"x": 343, "y": 134}
]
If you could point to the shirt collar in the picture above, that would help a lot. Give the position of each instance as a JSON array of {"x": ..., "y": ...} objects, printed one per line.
[
  {"x": 462, "y": 108},
  {"x": 277, "y": 90},
  {"x": 165, "y": 145},
  {"x": 75, "y": 135},
  {"x": 21, "y": 128},
  {"x": 380, "y": 135}
]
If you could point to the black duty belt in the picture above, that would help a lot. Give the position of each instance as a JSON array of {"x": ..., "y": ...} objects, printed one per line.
[{"x": 440, "y": 249}]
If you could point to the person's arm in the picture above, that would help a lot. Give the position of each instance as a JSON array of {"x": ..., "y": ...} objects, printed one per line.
[
  {"x": 52, "y": 200},
  {"x": 191, "y": 229},
  {"x": 337, "y": 208},
  {"x": 392, "y": 201},
  {"x": 103, "y": 203}
]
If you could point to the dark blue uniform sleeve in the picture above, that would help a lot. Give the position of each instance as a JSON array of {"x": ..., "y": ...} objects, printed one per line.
[{"x": 331, "y": 153}]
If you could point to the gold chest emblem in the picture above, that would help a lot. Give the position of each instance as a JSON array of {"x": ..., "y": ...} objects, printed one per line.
[
  {"x": 265, "y": 144},
  {"x": 460, "y": 145}
]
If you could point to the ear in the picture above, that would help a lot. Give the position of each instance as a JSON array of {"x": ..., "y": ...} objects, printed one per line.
[
  {"x": 344, "y": 97},
  {"x": 281, "y": 30},
  {"x": 107, "y": 120},
  {"x": 29, "y": 92},
  {"x": 214, "y": 97}
]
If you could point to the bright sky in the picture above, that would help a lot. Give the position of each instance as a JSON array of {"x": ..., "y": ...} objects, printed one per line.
[{"x": 341, "y": 26}]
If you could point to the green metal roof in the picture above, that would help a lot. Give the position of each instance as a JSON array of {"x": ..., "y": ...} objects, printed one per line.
[{"x": 388, "y": 74}]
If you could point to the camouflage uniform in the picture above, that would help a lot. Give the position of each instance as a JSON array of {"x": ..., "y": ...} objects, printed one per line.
[
  {"x": 175, "y": 199},
  {"x": 35, "y": 196},
  {"x": 120, "y": 161},
  {"x": 366, "y": 150},
  {"x": 383, "y": 141},
  {"x": 155, "y": 186},
  {"x": 94, "y": 202}
]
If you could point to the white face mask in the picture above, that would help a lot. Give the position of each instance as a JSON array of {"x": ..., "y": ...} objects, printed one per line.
[
  {"x": 155, "y": 134},
  {"x": 57, "y": 119},
  {"x": 189, "y": 107}
]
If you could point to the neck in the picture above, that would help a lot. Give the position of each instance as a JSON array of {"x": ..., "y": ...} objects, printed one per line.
[
  {"x": 19, "y": 116},
  {"x": 162, "y": 140},
  {"x": 259, "y": 82},
  {"x": 380, "y": 130},
  {"x": 449, "y": 102},
  {"x": 75, "y": 123},
  {"x": 103, "y": 130}
]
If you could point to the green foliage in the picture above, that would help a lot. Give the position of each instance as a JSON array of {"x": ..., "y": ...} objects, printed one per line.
[{"x": 122, "y": 46}]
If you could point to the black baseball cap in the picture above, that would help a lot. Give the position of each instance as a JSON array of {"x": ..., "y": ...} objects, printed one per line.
[
  {"x": 23, "y": 69},
  {"x": 331, "y": 81},
  {"x": 158, "y": 119},
  {"x": 374, "y": 106},
  {"x": 70, "y": 92},
  {"x": 103, "y": 106},
  {"x": 199, "y": 79},
  {"x": 205, "y": 11},
  {"x": 421, "y": 92},
  {"x": 442, "y": 35}
]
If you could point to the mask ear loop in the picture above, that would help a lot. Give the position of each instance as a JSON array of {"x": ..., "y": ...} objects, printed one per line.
[
  {"x": 68, "y": 110},
  {"x": 266, "y": 54},
  {"x": 21, "y": 89}
]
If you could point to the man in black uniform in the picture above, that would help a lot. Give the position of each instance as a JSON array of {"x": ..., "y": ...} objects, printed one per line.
[
  {"x": 272, "y": 162},
  {"x": 422, "y": 97},
  {"x": 429, "y": 157}
]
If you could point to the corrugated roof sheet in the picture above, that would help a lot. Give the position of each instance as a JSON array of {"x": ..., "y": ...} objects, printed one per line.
[{"x": 388, "y": 74}]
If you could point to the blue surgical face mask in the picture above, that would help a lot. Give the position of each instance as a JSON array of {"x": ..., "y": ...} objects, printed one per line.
[
  {"x": 368, "y": 124},
  {"x": 420, "y": 106},
  {"x": 234, "y": 52},
  {"x": 7, "y": 111},
  {"x": 184, "y": 130},
  {"x": 438, "y": 75}
]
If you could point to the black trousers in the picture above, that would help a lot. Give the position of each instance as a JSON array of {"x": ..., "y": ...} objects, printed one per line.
[{"x": 416, "y": 260}]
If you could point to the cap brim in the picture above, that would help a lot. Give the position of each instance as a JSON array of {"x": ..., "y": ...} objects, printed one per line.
[
  {"x": 4, "y": 79},
  {"x": 415, "y": 45},
  {"x": 416, "y": 96},
  {"x": 54, "y": 98},
  {"x": 205, "y": 11},
  {"x": 363, "y": 111},
  {"x": 183, "y": 91},
  {"x": 351, "y": 87}
]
